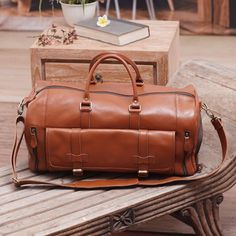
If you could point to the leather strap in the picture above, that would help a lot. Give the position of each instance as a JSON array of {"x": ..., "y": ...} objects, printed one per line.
[{"x": 216, "y": 122}]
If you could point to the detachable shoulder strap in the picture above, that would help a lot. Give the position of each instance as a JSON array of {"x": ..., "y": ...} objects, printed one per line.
[{"x": 216, "y": 122}]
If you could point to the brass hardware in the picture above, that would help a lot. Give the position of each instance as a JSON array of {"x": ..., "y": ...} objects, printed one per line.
[
  {"x": 134, "y": 107},
  {"x": 98, "y": 78},
  {"x": 34, "y": 145},
  {"x": 77, "y": 172},
  {"x": 20, "y": 108},
  {"x": 86, "y": 105},
  {"x": 186, "y": 134},
  {"x": 209, "y": 112},
  {"x": 142, "y": 173},
  {"x": 16, "y": 181},
  {"x": 199, "y": 168},
  {"x": 139, "y": 82}
]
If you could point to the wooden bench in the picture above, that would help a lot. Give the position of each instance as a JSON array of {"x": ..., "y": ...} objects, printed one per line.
[{"x": 53, "y": 211}]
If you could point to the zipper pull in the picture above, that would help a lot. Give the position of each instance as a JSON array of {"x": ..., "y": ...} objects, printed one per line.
[{"x": 33, "y": 141}]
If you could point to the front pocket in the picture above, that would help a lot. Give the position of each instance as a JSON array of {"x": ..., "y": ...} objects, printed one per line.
[{"x": 110, "y": 149}]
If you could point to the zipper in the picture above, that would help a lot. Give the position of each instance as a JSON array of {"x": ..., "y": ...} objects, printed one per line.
[
  {"x": 34, "y": 145},
  {"x": 108, "y": 92}
]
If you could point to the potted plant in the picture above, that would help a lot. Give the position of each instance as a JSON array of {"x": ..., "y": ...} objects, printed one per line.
[{"x": 77, "y": 10}]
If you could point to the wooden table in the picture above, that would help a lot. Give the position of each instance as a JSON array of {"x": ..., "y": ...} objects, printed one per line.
[
  {"x": 47, "y": 211},
  {"x": 159, "y": 54}
]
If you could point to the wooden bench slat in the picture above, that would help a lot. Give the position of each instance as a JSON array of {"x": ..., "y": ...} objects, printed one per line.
[
  {"x": 9, "y": 188},
  {"x": 28, "y": 193},
  {"x": 86, "y": 228},
  {"x": 5, "y": 168},
  {"x": 71, "y": 208},
  {"x": 98, "y": 212},
  {"x": 189, "y": 196},
  {"x": 24, "y": 174},
  {"x": 203, "y": 69},
  {"x": 119, "y": 200},
  {"x": 22, "y": 199},
  {"x": 10, "y": 194},
  {"x": 195, "y": 74},
  {"x": 8, "y": 171},
  {"x": 157, "y": 205}
]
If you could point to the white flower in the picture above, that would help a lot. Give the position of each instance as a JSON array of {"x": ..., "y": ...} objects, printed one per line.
[{"x": 103, "y": 21}]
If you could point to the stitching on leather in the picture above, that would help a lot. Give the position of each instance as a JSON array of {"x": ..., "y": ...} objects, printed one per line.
[{"x": 50, "y": 159}]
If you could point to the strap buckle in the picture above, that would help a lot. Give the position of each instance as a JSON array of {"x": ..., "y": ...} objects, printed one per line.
[
  {"x": 135, "y": 107},
  {"x": 143, "y": 173},
  {"x": 86, "y": 106},
  {"x": 77, "y": 172},
  {"x": 139, "y": 82}
]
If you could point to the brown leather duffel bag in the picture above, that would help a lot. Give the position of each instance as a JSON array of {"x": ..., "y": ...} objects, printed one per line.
[{"x": 113, "y": 127}]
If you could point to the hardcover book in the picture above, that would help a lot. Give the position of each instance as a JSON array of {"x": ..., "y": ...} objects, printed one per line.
[{"x": 118, "y": 32}]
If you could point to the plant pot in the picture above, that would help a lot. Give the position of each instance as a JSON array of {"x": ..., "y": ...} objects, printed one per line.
[{"x": 73, "y": 13}]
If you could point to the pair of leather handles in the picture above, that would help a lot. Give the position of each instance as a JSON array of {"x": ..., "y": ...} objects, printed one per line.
[{"x": 86, "y": 103}]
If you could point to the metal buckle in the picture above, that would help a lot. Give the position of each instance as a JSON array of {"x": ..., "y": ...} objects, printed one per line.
[
  {"x": 139, "y": 82},
  {"x": 77, "y": 172},
  {"x": 16, "y": 181},
  {"x": 134, "y": 107},
  {"x": 86, "y": 106},
  {"x": 143, "y": 173},
  {"x": 20, "y": 108},
  {"x": 209, "y": 112}
]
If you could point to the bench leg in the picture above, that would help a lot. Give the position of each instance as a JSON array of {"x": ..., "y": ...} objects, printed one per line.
[{"x": 203, "y": 216}]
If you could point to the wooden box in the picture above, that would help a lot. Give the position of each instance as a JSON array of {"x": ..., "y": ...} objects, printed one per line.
[{"x": 157, "y": 56}]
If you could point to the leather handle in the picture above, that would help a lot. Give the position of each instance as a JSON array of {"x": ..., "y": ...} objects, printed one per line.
[
  {"x": 139, "y": 80},
  {"x": 95, "y": 65}
]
